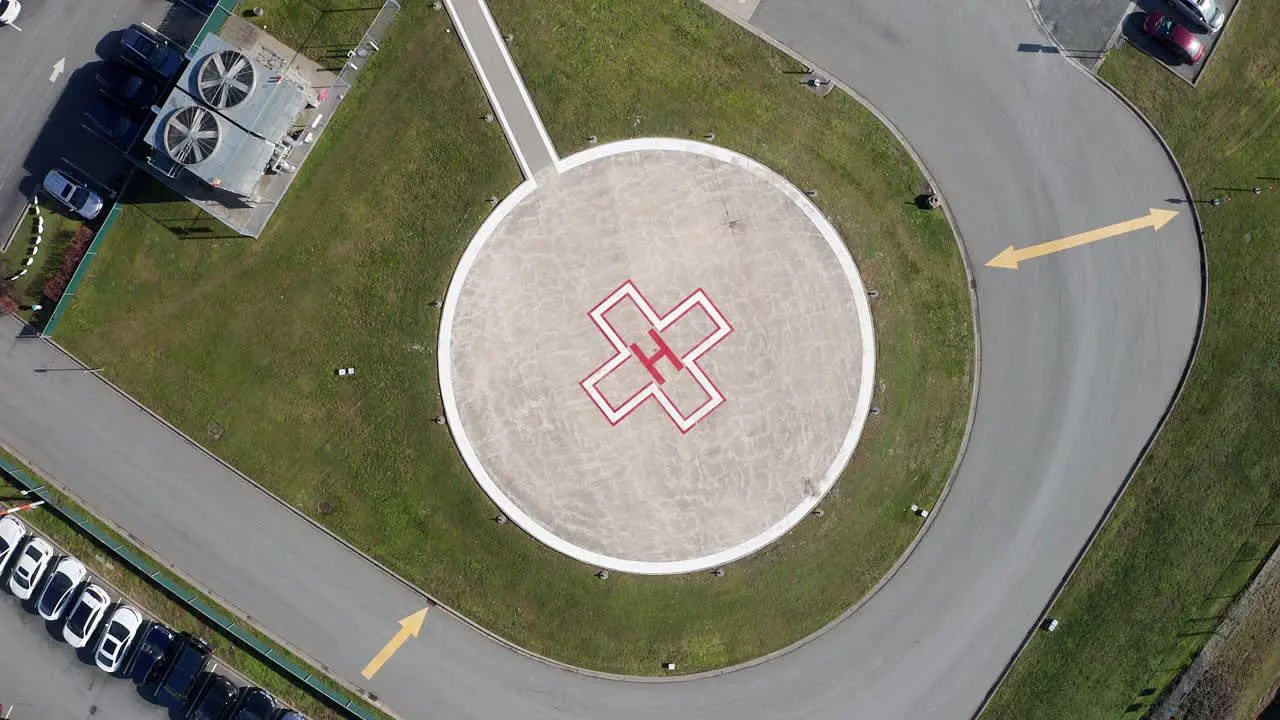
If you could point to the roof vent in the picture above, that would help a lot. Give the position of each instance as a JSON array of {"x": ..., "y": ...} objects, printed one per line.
[
  {"x": 227, "y": 78},
  {"x": 192, "y": 135}
]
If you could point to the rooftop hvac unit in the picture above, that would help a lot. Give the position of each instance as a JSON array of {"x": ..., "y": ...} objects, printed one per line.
[
  {"x": 226, "y": 79},
  {"x": 192, "y": 135}
]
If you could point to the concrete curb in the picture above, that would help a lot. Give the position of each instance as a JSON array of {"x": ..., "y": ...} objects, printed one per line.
[{"x": 1173, "y": 401}]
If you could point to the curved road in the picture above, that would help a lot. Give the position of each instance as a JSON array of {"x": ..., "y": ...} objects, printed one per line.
[{"x": 1081, "y": 354}]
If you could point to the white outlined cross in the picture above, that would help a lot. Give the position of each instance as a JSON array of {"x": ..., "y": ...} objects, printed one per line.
[{"x": 624, "y": 351}]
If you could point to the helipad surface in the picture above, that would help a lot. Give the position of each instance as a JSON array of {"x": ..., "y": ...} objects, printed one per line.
[{"x": 659, "y": 359}]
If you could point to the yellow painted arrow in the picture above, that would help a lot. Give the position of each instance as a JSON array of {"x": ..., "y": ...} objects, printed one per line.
[
  {"x": 411, "y": 625},
  {"x": 1010, "y": 258}
]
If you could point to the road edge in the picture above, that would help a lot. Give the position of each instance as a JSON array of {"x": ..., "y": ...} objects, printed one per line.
[{"x": 1173, "y": 401}]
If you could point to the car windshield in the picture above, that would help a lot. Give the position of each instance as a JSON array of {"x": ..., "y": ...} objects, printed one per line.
[
  {"x": 1165, "y": 27},
  {"x": 79, "y": 197},
  {"x": 34, "y": 553},
  {"x": 4, "y": 5},
  {"x": 144, "y": 45},
  {"x": 57, "y": 586},
  {"x": 118, "y": 631},
  {"x": 22, "y": 577},
  {"x": 80, "y": 618},
  {"x": 4, "y": 545}
]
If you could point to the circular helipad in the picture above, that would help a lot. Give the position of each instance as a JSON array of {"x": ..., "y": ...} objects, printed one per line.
[{"x": 658, "y": 360}]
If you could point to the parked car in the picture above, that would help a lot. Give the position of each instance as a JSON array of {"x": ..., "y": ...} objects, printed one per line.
[
  {"x": 74, "y": 193},
  {"x": 255, "y": 704},
  {"x": 180, "y": 680},
  {"x": 215, "y": 700},
  {"x": 30, "y": 567},
  {"x": 289, "y": 714},
  {"x": 112, "y": 121},
  {"x": 113, "y": 647},
  {"x": 122, "y": 83},
  {"x": 1205, "y": 14},
  {"x": 9, "y": 10},
  {"x": 153, "y": 656},
  {"x": 67, "y": 576},
  {"x": 85, "y": 616},
  {"x": 12, "y": 533},
  {"x": 148, "y": 49},
  {"x": 1177, "y": 39}
]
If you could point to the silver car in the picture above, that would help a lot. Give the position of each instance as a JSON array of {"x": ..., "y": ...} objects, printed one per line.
[
  {"x": 73, "y": 193},
  {"x": 1204, "y": 13}
]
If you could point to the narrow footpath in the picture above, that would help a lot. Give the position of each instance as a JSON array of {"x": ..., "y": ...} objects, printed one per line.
[{"x": 502, "y": 83}]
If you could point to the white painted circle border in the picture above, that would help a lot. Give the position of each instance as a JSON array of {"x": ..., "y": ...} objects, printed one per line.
[{"x": 862, "y": 406}]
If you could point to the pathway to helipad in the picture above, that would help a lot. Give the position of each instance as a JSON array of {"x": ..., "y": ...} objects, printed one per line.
[
  {"x": 658, "y": 359},
  {"x": 503, "y": 85}
]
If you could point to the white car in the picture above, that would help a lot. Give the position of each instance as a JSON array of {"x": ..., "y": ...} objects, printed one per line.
[
  {"x": 12, "y": 531},
  {"x": 9, "y": 11},
  {"x": 85, "y": 616},
  {"x": 1204, "y": 13},
  {"x": 74, "y": 193},
  {"x": 30, "y": 567},
  {"x": 116, "y": 639},
  {"x": 67, "y": 576}
]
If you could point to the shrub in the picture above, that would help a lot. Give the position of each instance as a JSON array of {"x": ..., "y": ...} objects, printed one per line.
[{"x": 57, "y": 283}]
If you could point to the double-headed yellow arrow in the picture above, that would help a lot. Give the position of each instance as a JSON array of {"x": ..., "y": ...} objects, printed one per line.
[
  {"x": 1010, "y": 258},
  {"x": 409, "y": 626}
]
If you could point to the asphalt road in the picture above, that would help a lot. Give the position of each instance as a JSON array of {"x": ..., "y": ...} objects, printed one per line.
[
  {"x": 41, "y": 677},
  {"x": 41, "y": 117},
  {"x": 1081, "y": 353}
]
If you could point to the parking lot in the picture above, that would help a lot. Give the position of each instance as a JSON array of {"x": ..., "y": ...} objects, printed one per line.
[
  {"x": 49, "y": 61},
  {"x": 1133, "y": 33},
  {"x": 44, "y": 679},
  {"x": 158, "y": 672}
]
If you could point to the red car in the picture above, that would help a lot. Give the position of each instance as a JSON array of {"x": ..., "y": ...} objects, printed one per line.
[{"x": 1173, "y": 36}]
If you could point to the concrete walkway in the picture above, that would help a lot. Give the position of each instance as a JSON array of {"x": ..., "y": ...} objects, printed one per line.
[{"x": 502, "y": 83}]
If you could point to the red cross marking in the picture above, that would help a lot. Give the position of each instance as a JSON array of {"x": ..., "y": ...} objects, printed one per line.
[{"x": 688, "y": 362}]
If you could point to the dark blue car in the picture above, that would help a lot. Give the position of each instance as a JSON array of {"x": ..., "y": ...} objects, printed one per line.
[
  {"x": 145, "y": 48},
  {"x": 153, "y": 654}
]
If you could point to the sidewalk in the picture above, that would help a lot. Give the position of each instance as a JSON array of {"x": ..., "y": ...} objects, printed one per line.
[{"x": 502, "y": 83}]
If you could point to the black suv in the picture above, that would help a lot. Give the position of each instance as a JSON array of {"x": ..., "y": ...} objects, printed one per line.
[
  {"x": 153, "y": 654},
  {"x": 187, "y": 664},
  {"x": 214, "y": 700}
]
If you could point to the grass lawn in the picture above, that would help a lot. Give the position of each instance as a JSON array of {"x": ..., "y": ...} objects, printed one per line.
[
  {"x": 323, "y": 30},
  {"x": 1203, "y": 513},
  {"x": 152, "y": 599},
  {"x": 246, "y": 334}
]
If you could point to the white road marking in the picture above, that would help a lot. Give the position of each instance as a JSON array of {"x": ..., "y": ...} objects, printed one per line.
[{"x": 58, "y": 67}]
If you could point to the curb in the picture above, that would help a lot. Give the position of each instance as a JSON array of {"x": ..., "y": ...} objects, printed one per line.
[{"x": 1173, "y": 401}]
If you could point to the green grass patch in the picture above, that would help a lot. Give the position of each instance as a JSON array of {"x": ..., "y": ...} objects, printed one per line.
[
  {"x": 323, "y": 30},
  {"x": 236, "y": 341},
  {"x": 152, "y": 598},
  {"x": 1201, "y": 514}
]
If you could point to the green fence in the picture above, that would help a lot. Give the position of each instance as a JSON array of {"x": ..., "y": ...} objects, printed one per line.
[{"x": 193, "y": 602}]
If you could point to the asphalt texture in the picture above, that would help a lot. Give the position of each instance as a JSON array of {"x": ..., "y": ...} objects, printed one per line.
[
  {"x": 1081, "y": 353},
  {"x": 42, "y": 118},
  {"x": 1084, "y": 27},
  {"x": 42, "y": 677}
]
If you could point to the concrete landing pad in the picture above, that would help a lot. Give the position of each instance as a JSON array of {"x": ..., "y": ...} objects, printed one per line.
[{"x": 659, "y": 359}]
